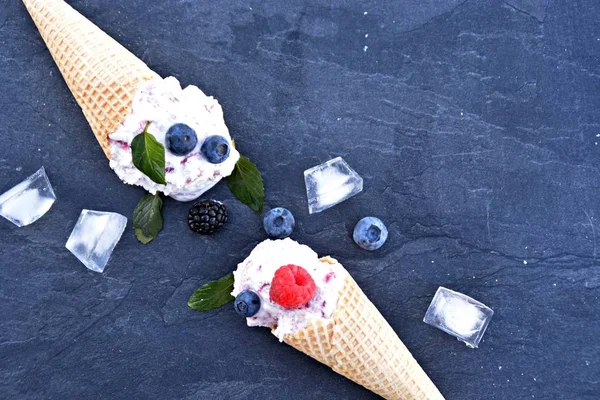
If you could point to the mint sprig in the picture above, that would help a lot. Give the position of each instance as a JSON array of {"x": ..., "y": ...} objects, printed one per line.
[
  {"x": 245, "y": 182},
  {"x": 213, "y": 294},
  {"x": 147, "y": 218},
  {"x": 149, "y": 156}
]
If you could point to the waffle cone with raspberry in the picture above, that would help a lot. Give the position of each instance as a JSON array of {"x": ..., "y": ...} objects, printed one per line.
[
  {"x": 102, "y": 75},
  {"x": 358, "y": 343}
]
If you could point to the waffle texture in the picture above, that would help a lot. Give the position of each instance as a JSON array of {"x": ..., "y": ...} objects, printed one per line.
[
  {"x": 358, "y": 343},
  {"x": 102, "y": 75}
]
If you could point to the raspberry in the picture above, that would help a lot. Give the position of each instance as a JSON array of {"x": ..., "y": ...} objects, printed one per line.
[{"x": 292, "y": 287}]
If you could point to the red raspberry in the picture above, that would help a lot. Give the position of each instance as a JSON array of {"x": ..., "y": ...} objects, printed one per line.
[{"x": 292, "y": 287}]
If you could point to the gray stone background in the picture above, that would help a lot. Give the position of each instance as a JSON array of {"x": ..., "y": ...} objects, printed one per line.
[{"x": 475, "y": 127}]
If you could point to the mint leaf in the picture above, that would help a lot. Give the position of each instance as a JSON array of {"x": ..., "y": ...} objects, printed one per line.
[
  {"x": 147, "y": 218},
  {"x": 247, "y": 185},
  {"x": 149, "y": 156},
  {"x": 213, "y": 294}
]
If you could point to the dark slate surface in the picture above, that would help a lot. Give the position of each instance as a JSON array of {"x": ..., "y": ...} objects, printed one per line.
[{"x": 474, "y": 124}]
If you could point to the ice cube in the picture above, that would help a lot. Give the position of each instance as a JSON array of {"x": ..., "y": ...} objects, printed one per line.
[
  {"x": 459, "y": 315},
  {"x": 29, "y": 200},
  {"x": 330, "y": 183},
  {"x": 94, "y": 237}
]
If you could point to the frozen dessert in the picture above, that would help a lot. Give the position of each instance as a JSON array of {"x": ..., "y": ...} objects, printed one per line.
[
  {"x": 170, "y": 110},
  {"x": 120, "y": 95},
  {"x": 315, "y": 306},
  {"x": 256, "y": 274}
]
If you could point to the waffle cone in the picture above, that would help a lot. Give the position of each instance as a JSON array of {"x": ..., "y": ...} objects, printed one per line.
[
  {"x": 358, "y": 343},
  {"x": 102, "y": 75}
]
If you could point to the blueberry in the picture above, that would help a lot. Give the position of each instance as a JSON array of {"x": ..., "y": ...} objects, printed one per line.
[
  {"x": 247, "y": 303},
  {"x": 279, "y": 223},
  {"x": 215, "y": 149},
  {"x": 181, "y": 139},
  {"x": 370, "y": 233}
]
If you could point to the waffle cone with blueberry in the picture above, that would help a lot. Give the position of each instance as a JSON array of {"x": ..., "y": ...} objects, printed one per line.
[
  {"x": 102, "y": 75},
  {"x": 358, "y": 343}
]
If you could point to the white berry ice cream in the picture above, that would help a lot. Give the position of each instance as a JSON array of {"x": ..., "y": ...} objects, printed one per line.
[
  {"x": 190, "y": 125},
  {"x": 283, "y": 285}
]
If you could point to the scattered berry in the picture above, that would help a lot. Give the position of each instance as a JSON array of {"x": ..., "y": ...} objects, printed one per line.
[
  {"x": 370, "y": 233},
  {"x": 279, "y": 223},
  {"x": 292, "y": 287},
  {"x": 181, "y": 139},
  {"x": 207, "y": 216},
  {"x": 215, "y": 149},
  {"x": 247, "y": 303}
]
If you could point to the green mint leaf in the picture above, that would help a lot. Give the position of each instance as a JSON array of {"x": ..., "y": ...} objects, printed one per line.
[
  {"x": 247, "y": 185},
  {"x": 147, "y": 218},
  {"x": 213, "y": 294},
  {"x": 149, "y": 156}
]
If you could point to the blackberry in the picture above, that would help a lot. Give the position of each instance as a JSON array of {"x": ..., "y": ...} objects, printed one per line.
[{"x": 207, "y": 216}]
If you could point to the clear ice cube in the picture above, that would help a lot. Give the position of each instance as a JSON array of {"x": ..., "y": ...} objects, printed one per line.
[
  {"x": 94, "y": 237},
  {"x": 459, "y": 315},
  {"x": 29, "y": 200},
  {"x": 330, "y": 183}
]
